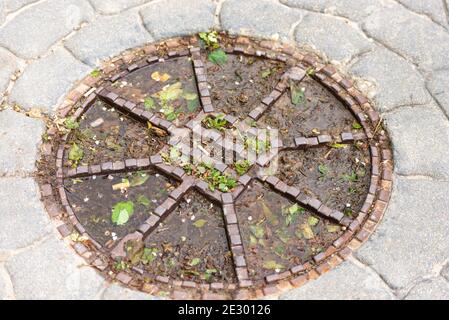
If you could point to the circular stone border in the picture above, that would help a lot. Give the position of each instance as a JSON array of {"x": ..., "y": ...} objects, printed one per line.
[{"x": 51, "y": 173}]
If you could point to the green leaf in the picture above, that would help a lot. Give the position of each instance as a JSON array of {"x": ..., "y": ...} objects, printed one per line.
[
  {"x": 169, "y": 93},
  {"x": 194, "y": 262},
  {"x": 297, "y": 95},
  {"x": 307, "y": 232},
  {"x": 218, "y": 57},
  {"x": 172, "y": 116},
  {"x": 149, "y": 103},
  {"x": 121, "y": 212},
  {"x": 292, "y": 213},
  {"x": 143, "y": 200},
  {"x": 271, "y": 218},
  {"x": 323, "y": 170},
  {"x": 266, "y": 73},
  {"x": 356, "y": 125},
  {"x": 352, "y": 177},
  {"x": 272, "y": 265},
  {"x": 138, "y": 179},
  {"x": 76, "y": 154},
  {"x": 257, "y": 230},
  {"x": 293, "y": 209},
  {"x": 189, "y": 96},
  {"x": 252, "y": 240},
  {"x": 71, "y": 123},
  {"x": 338, "y": 145},
  {"x": 312, "y": 221},
  {"x": 149, "y": 255},
  {"x": 242, "y": 166},
  {"x": 333, "y": 228},
  {"x": 199, "y": 223},
  {"x": 283, "y": 235},
  {"x": 209, "y": 38},
  {"x": 95, "y": 73},
  {"x": 192, "y": 105}
]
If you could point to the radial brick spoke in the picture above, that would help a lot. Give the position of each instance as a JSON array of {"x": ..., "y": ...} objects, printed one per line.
[
  {"x": 309, "y": 202},
  {"x": 326, "y": 140}
]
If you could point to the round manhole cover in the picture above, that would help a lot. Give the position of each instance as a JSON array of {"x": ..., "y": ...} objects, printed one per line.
[{"x": 229, "y": 168}]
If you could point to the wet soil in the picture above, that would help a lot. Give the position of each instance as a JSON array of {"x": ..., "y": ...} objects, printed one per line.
[
  {"x": 93, "y": 198},
  {"x": 272, "y": 242},
  {"x": 319, "y": 113},
  {"x": 141, "y": 85},
  {"x": 105, "y": 134},
  {"x": 242, "y": 83},
  {"x": 191, "y": 244},
  {"x": 338, "y": 177}
]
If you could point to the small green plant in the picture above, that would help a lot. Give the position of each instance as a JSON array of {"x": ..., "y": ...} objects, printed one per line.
[
  {"x": 323, "y": 170},
  {"x": 266, "y": 73},
  {"x": 143, "y": 200},
  {"x": 356, "y": 125},
  {"x": 242, "y": 166},
  {"x": 208, "y": 274},
  {"x": 148, "y": 255},
  {"x": 218, "y": 57},
  {"x": 338, "y": 145},
  {"x": 76, "y": 154},
  {"x": 218, "y": 122},
  {"x": 71, "y": 123},
  {"x": 291, "y": 213},
  {"x": 352, "y": 177},
  {"x": 257, "y": 145},
  {"x": 297, "y": 94},
  {"x": 310, "y": 71},
  {"x": 210, "y": 39},
  {"x": 216, "y": 179},
  {"x": 95, "y": 73},
  {"x": 149, "y": 104},
  {"x": 121, "y": 266}
]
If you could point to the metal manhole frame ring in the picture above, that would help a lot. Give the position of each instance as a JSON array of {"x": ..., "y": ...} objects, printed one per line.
[{"x": 358, "y": 231}]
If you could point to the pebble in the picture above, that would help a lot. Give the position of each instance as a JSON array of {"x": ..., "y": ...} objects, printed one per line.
[{"x": 97, "y": 122}]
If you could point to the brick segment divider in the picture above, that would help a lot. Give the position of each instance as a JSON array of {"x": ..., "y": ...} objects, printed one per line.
[{"x": 357, "y": 230}]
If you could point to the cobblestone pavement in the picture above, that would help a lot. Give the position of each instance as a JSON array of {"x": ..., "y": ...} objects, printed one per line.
[{"x": 396, "y": 50}]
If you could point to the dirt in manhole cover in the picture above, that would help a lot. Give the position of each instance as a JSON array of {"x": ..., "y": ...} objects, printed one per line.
[{"x": 203, "y": 169}]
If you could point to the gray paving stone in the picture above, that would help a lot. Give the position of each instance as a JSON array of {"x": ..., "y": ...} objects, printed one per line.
[
  {"x": 412, "y": 238},
  {"x": 52, "y": 270},
  {"x": 14, "y": 5},
  {"x": 108, "y": 36},
  {"x": 9, "y": 64},
  {"x": 438, "y": 85},
  {"x": 435, "y": 289},
  {"x": 353, "y": 10},
  {"x": 420, "y": 137},
  {"x": 118, "y": 292},
  {"x": 258, "y": 18},
  {"x": 3, "y": 12},
  {"x": 388, "y": 71},
  {"x": 445, "y": 272},
  {"x": 342, "y": 43},
  {"x": 19, "y": 140},
  {"x": 34, "y": 30},
  {"x": 432, "y": 8},
  {"x": 3, "y": 284},
  {"x": 47, "y": 80},
  {"x": 115, "y": 6},
  {"x": 22, "y": 216},
  {"x": 411, "y": 35},
  {"x": 172, "y": 18},
  {"x": 346, "y": 282}
]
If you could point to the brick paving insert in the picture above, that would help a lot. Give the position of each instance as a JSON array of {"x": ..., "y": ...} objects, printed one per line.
[{"x": 150, "y": 205}]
